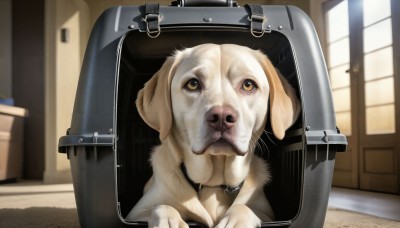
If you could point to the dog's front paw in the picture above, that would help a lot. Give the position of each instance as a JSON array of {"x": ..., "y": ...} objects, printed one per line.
[
  {"x": 164, "y": 216},
  {"x": 239, "y": 216}
]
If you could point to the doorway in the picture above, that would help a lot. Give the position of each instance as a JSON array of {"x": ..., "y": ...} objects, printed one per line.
[{"x": 362, "y": 59}]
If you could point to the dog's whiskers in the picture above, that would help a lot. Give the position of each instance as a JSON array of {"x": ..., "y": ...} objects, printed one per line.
[
  {"x": 260, "y": 144},
  {"x": 263, "y": 144},
  {"x": 253, "y": 143},
  {"x": 267, "y": 134}
]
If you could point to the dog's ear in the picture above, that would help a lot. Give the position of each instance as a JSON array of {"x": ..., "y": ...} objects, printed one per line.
[
  {"x": 284, "y": 105},
  {"x": 154, "y": 99}
]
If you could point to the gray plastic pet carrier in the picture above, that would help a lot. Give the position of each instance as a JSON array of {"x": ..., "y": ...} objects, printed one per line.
[{"x": 108, "y": 144}]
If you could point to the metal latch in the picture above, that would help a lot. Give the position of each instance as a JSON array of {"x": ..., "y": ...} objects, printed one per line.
[
  {"x": 152, "y": 19},
  {"x": 256, "y": 19},
  {"x": 326, "y": 137}
]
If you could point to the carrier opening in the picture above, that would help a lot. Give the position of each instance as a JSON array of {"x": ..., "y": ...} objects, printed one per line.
[{"x": 141, "y": 57}]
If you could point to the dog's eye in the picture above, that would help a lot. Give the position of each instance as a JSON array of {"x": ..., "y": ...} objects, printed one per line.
[
  {"x": 192, "y": 85},
  {"x": 249, "y": 85}
]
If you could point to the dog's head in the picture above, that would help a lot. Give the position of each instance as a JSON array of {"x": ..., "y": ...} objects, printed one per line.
[{"x": 215, "y": 99}]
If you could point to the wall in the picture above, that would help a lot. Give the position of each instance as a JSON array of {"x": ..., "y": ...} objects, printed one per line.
[
  {"x": 63, "y": 65},
  {"x": 5, "y": 48},
  {"x": 27, "y": 79}
]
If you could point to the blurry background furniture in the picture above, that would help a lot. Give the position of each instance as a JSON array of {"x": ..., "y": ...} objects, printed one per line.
[{"x": 11, "y": 142}]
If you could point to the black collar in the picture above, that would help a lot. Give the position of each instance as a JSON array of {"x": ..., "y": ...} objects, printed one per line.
[{"x": 197, "y": 186}]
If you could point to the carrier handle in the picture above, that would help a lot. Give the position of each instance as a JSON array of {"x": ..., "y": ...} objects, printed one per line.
[
  {"x": 152, "y": 19},
  {"x": 256, "y": 18},
  {"x": 189, "y": 3}
]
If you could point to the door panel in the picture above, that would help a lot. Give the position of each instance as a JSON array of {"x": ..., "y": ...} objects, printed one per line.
[
  {"x": 362, "y": 66},
  {"x": 338, "y": 62},
  {"x": 379, "y": 169},
  {"x": 378, "y": 161}
]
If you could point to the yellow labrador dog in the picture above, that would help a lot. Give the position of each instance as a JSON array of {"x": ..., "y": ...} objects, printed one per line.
[{"x": 209, "y": 104}]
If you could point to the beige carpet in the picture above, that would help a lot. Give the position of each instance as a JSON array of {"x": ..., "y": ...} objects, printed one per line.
[
  {"x": 38, "y": 217},
  {"x": 343, "y": 219},
  {"x": 34, "y": 205}
]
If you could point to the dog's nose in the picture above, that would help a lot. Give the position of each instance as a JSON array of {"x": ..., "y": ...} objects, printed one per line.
[{"x": 221, "y": 117}]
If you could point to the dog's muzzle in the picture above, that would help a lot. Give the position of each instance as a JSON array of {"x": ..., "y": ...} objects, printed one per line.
[
  {"x": 221, "y": 118},
  {"x": 221, "y": 131}
]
